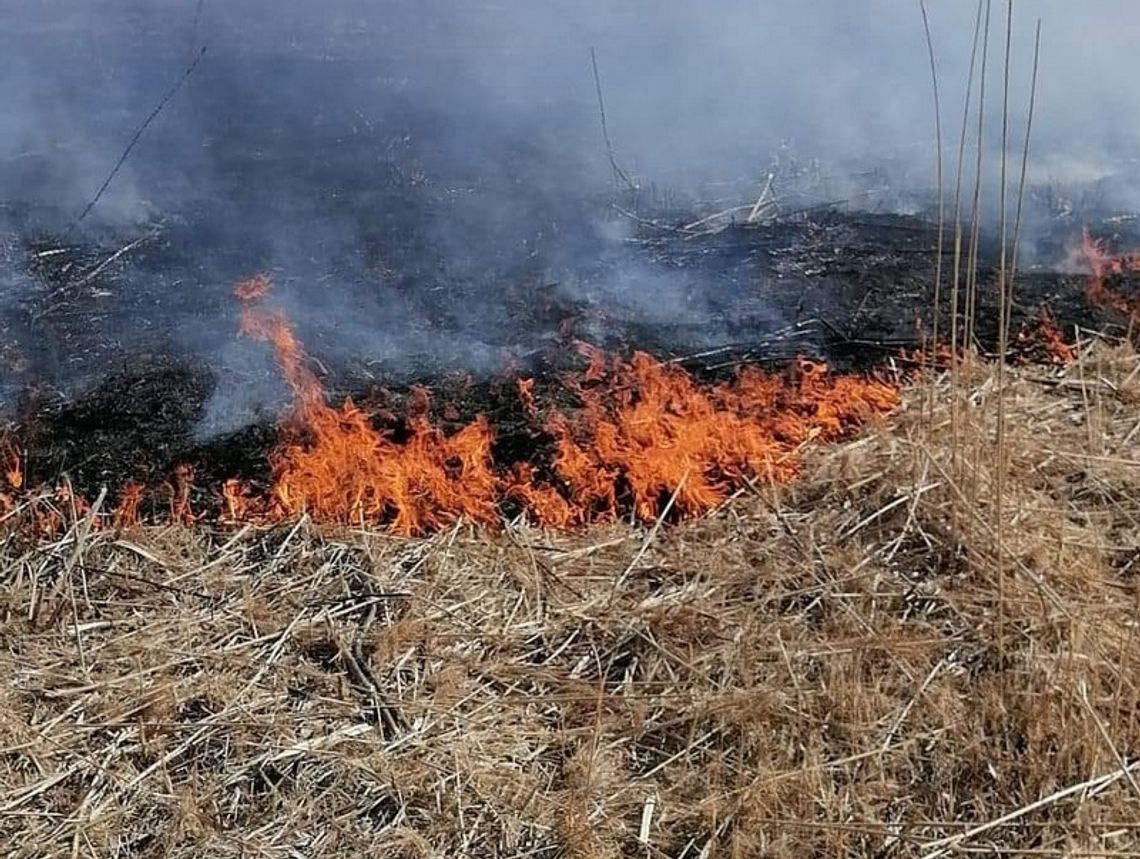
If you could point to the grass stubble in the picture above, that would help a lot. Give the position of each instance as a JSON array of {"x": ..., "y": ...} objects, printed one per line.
[{"x": 810, "y": 670}]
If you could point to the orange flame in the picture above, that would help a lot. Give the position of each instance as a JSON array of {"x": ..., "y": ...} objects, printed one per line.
[
  {"x": 641, "y": 436},
  {"x": 644, "y": 432},
  {"x": 335, "y": 466},
  {"x": 12, "y": 473},
  {"x": 596, "y": 370},
  {"x": 1105, "y": 266},
  {"x": 1042, "y": 341},
  {"x": 126, "y": 513},
  {"x": 13, "y": 466},
  {"x": 526, "y": 395},
  {"x": 179, "y": 489}
]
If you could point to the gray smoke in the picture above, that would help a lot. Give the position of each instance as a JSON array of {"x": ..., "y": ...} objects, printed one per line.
[{"x": 375, "y": 155}]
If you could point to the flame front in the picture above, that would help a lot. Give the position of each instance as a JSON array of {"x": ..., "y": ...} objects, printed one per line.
[
  {"x": 642, "y": 437},
  {"x": 334, "y": 465},
  {"x": 644, "y": 433}
]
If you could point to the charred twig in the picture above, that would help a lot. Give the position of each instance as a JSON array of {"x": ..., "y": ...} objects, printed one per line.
[
  {"x": 746, "y": 348},
  {"x": 618, "y": 171},
  {"x": 95, "y": 272},
  {"x": 688, "y": 228},
  {"x": 762, "y": 202},
  {"x": 138, "y": 134},
  {"x": 645, "y": 222}
]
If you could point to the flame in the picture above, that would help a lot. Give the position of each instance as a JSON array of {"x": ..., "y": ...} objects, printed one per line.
[
  {"x": 925, "y": 358},
  {"x": 596, "y": 370},
  {"x": 642, "y": 436},
  {"x": 252, "y": 288},
  {"x": 335, "y": 466},
  {"x": 13, "y": 465},
  {"x": 237, "y": 500},
  {"x": 525, "y": 388},
  {"x": 179, "y": 489},
  {"x": 1042, "y": 341},
  {"x": 644, "y": 433},
  {"x": 651, "y": 434},
  {"x": 126, "y": 514},
  {"x": 1104, "y": 266},
  {"x": 13, "y": 474}
]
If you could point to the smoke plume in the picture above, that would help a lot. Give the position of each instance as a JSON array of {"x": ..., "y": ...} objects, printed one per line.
[{"x": 397, "y": 166}]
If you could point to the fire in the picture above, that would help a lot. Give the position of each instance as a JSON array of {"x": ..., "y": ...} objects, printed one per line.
[
  {"x": 334, "y": 465},
  {"x": 13, "y": 475},
  {"x": 931, "y": 356},
  {"x": 1042, "y": 342},
  {"x": 127, "y": 509},
  {"x": 13, "y": 466},
  {"x": 525, "y": 388},
  {"x": 596, "y": 369},
  {"x": 179, "y": 490},
  {"x": 642, "y": 437},
  {"x": 644, "y": 433},
  {"x": 1105, "y": 266},
  {"x": 650, "y": 432}
]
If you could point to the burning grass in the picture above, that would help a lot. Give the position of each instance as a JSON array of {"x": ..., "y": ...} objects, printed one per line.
[
  {"x": 811, "y": 668},
  {"x": 644, "y": 432},
  {"x": 1108, "y": 269},
  {"x": 643, "y": 437}
]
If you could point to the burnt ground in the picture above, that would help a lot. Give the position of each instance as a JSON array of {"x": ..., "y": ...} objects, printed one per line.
[
  {"x": 410, "y": 242},
  {"x": 102, "y": 388}
]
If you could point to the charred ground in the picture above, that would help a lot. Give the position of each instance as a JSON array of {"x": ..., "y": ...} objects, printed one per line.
[{"x": 106, "y": 389}]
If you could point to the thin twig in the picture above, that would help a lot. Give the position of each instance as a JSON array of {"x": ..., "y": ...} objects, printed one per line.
[
  {"x": 1003, "y": 345},
  {"x": 95, "y": 272},
  {"x": 762, "y": 200},
  {"x": 954, "y": 288},
  {"x": 1084, "y": 699},
  {"x": 941, "y": 192},
  {"x": 618, "y": 172},
  {"x": 975, "y": 215},
  {"x": 1025, "y": 156},
  {"x": 649, "y": 538},
  {"x": 944, "y": 845},
  {"x": 134, "y": 140}
]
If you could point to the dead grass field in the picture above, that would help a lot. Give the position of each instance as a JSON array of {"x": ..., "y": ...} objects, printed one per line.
[{"x": 819, "y": 669}]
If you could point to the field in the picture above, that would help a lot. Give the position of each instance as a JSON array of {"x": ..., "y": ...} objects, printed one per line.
[{"x": 876, "y": 659}]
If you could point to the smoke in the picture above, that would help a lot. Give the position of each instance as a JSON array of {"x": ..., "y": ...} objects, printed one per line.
[{"x": 398, "y": 165}]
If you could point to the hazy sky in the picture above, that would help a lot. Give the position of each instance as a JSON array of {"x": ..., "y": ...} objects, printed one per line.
[{"x": 693, "y": 89}]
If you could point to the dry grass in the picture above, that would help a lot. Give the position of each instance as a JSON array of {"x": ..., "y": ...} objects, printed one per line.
[{"x": 810, "y": 671}]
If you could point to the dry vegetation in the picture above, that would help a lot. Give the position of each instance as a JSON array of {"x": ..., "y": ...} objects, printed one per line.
[{"x": 814, "y": 669}]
